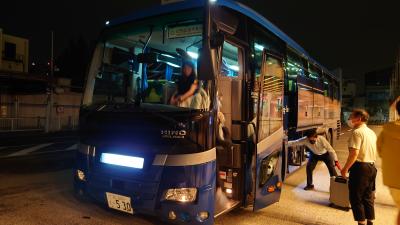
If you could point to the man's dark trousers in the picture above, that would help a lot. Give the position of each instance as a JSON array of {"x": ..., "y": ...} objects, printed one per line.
[
  {"x": 312, "y": 162},
  {"x": 361, "y": 190}
]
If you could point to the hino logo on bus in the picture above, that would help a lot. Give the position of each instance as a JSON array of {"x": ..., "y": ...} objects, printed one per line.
[{"x": 173, "y": 133}]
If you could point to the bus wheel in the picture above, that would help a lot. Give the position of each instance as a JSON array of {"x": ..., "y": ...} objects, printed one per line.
[{"x": 285, "y": 166}]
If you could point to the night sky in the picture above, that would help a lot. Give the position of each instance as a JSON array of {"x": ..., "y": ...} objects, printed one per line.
[{"x": 358, "y": 36}]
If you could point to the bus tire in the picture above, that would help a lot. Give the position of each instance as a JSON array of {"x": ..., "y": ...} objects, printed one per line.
[{"x": 284, "y": 162}]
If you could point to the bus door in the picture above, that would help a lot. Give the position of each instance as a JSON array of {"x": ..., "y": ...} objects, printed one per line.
[
  {"x": 229, "y": 155},
  {"x": 269, "y": 152}
]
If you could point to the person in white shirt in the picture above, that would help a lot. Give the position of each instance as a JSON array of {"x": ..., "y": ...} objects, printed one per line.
[
  {"x": 320, "y": 150},
  {"x": 361, "y": 164}
]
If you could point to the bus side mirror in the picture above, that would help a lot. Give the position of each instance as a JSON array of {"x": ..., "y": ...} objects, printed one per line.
[
  {"x": 205, "y": 67},
  {"x": 225, "y": 21},
  {"x": 147, "y": 58}
]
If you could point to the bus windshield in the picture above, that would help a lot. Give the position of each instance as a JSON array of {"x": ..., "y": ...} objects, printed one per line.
[{"x": 173, "y": 41}]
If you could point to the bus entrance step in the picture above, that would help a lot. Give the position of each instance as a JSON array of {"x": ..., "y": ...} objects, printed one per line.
[{"x": 223, "y": 204}]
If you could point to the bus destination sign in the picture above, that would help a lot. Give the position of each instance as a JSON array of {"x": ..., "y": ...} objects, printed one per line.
[{"x": 186, "y": 30}]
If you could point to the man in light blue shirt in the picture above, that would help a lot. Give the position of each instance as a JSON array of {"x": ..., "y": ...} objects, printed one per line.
[{"x": 320, "y": 150}]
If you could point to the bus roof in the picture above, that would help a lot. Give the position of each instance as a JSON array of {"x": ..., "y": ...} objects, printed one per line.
[{"x": 236, "y": 6}]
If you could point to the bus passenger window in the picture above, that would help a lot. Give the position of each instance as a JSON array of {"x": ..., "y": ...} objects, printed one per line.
[
  {"x": 230, "y": 60},
  {"x": 271, "y": 98},
  {"x": 314, "y": 73},
  {"x": 326, "y": 86},
  {"x": 294, "y": 66}
]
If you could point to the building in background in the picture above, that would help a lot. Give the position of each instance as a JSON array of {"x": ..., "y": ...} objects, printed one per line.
[
  {"x": 26, "y": 99},
  {"x": 377, "y": 94},
  {"x": 370, "y": 91},
  {"x": 349, "y": 94},
  {"x": 14, "y": 53},
  {"x": 353, "y": 94}
]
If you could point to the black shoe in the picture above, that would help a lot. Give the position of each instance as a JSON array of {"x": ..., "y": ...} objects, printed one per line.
[{"x": 309, "y": 187}]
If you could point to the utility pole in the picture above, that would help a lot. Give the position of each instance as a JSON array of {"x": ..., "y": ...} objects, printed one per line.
[
  {"x": 52, "y": 55},
  {"x": 49, "y": 91}
]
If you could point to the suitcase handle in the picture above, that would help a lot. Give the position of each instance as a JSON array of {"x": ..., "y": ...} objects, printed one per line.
[{"x": 341, "y": 179}]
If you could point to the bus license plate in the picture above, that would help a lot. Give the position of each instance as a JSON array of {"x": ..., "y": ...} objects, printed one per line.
[{"x": 119, "y": 202}]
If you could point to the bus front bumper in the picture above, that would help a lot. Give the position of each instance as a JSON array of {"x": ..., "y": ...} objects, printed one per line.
[{"x": 147, "y": 200}]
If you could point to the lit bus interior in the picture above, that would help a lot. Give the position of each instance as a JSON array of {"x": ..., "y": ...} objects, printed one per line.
[{"x": 155, "y": 79}]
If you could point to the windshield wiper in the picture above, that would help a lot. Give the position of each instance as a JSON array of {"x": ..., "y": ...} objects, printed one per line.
[
  {"x": 138, "y": 97},
  {"x": 148, "y": 39}
]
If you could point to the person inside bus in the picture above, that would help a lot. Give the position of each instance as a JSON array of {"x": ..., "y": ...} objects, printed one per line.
[
  {"x": 223, "y": 136},
  {"x": 320, "y": 150},
  {"x": 187, "y": 86}
]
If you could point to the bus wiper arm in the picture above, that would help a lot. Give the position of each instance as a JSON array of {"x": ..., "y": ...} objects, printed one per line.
[
  {"x": 148, "y": 39},
  {"x": 138, "y": 97}
]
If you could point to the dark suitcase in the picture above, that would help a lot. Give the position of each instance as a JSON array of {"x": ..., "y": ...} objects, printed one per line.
[{"x": 339, "y": 193}]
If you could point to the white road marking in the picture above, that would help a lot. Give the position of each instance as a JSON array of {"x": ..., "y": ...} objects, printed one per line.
[
  {"x": 29, "y": 150},
  {"x": 72, "y": 147},
  {"x": 15, "y": 146},
  {"x": 45, "y": 152},
  {"x": 20, "y": 146}
]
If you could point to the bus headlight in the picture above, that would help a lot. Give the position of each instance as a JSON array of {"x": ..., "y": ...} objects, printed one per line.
[{"x": 181, "y": 194}]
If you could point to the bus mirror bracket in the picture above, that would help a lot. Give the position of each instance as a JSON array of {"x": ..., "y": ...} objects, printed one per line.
[
  {"x": 205, "y": 69},
  {"x": 217, "y": 39}
]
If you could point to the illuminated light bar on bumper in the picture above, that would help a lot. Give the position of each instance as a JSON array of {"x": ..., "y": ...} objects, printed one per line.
[{"x": 122, "y": 160}]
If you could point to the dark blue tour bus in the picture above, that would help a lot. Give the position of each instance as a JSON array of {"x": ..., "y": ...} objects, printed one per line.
[{"x": 187, "y": 108}]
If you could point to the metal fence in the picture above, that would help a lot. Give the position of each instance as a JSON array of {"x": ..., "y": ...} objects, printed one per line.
[{"x": 37, "y": 123}]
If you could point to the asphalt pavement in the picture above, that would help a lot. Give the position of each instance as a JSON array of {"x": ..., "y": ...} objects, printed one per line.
[
  {"x": 37, "y": 151},
  {"x": 36, "y": 190}
]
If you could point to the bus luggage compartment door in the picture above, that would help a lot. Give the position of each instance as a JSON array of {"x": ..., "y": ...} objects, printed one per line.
[
  {"x": 268, "y": 182},
  {"x": 268, "y": 157}
]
